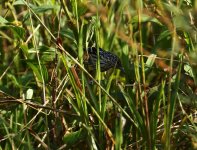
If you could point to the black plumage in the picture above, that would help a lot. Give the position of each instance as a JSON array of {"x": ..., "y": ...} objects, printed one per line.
[{"x": 107, "y": 60}]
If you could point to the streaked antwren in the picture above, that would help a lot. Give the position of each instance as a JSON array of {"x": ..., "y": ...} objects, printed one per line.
[{"x": 107, "y": 60}]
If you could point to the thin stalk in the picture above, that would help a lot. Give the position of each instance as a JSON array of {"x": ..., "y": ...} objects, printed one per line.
[{"x": 144, "y": 99}]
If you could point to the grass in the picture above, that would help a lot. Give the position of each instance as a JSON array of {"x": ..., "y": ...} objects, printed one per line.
[{"x": 47, "y": 100}]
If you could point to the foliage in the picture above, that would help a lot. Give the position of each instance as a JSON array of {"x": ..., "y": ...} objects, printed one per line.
[{"x": 48, "y": 100}]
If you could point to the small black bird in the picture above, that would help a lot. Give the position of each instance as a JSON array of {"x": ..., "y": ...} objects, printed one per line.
[{"x": 107, "y": 60}]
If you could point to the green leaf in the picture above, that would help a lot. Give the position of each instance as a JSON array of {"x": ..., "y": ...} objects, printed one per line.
[
  {"x": 173, "y": 9},
  {"x": 39, "y": 73},
  {"x": 19, "y": 32},
  {"x": 183, "y": 23},
  {"x": 3, "y": 20},
  {"x": 43, "y": 8},
  {"x": 145, "y": 18},
  {"x": 48, "y": 53},
  {"x": 74, "y": 137},
  {"x": 81, "y": 8},
  {"x": 19, "y": 2},
  {"x": 188, "y": 70},
  {"x": 164, "y": 35},
  {"x": 14, "y": 80},
  {"x": 24, "y": 48},
  {"x": 136, "y": 115}
]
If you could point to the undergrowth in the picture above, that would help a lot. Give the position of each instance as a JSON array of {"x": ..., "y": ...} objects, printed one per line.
[{"x": 48, "y": 100}]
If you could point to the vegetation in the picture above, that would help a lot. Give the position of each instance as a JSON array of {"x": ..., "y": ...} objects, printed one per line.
[{"x": 48, "y": 100}]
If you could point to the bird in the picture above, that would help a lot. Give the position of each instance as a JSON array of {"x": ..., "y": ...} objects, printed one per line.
[{"x": 108, "y": 60}]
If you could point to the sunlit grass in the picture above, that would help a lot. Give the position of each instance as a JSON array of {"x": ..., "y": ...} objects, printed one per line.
[{"x": 48, "y": 100}]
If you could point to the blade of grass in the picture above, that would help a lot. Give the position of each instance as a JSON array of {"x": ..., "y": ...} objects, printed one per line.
[
  {"x": 155, "y": 113},
  {"x": 138, "y": 121}
]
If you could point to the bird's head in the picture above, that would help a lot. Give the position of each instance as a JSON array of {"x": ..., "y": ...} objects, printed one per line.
[{"x": 119, "y": 66}]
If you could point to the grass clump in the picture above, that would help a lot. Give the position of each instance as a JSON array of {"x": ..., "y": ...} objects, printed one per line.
[{"x": 48, "y": 100}]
